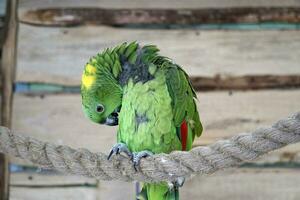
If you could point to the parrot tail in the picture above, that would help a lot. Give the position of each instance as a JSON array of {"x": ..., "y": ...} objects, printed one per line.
[{"x": 158, "y": 191}]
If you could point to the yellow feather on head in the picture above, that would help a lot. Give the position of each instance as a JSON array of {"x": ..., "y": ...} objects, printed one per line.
[{"x": 88, "y": 76}]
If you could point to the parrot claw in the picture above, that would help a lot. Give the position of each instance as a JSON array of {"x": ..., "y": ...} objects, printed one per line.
[
  {"x": 179, "y": 182},
  {"x": 176, "y": 184},
  {"x": 119, "y": 148},
  {"x": 137, "y": 156}
]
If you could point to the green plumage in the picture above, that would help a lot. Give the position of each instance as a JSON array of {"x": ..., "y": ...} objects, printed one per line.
[
  {"x": 155, "y": 97},
  {"x": 146, "y": 118}
]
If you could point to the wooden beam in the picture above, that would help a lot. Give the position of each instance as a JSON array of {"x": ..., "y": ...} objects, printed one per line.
[
  {"x": 8, "y": 62},
  {"x": 118, "y": 17},
  {"x": 8, "y": 68},
  {"x": 247, "y": 82},
  {"x": 4, "y": 177}
]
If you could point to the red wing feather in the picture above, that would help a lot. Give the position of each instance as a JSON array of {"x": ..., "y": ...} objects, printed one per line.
[{"x": 183, "y": 134}]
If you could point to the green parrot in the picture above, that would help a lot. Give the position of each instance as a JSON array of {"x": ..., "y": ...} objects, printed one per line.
[{"x": 151, "y": 100}]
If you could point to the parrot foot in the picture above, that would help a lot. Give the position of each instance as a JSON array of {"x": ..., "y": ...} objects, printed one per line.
[
  {"x": 119, "y": 148},
  {"x": 179, "y": 182},
  {"x": 176, "y": 184},
  {"x": 137, "y": 156}
]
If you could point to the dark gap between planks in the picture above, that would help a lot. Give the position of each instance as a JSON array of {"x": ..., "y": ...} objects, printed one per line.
[
  {"x": 217, "y": 83},
  {"x": 70, "y": 185},
  {"x": 209, "y": 18}
]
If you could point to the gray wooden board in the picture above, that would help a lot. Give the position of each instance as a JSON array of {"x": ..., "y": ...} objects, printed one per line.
[
  {"x": 234, "y": 184},
  {"x": 59, "y": 118},
  {"x": 245, "y": 184},
  {"x": 57, "y": 55},
  {"x": 38, "y": 179},
  {"x": 106, "y": 190},
  {"x": 143, "y": 16},
  {"x": 156, "y": 3},
  {"x": 60, "y": 187},
  {"x": 17, "y": 193}
]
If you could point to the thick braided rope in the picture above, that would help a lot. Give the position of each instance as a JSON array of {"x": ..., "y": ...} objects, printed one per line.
[{"x": 204, "y": 160}]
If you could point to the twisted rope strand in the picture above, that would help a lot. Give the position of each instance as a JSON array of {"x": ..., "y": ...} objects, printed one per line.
[{"x": 159, "y": 167}]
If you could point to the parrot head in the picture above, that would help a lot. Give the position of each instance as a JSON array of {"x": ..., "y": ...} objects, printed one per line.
[{"x": 100, "y": 91}]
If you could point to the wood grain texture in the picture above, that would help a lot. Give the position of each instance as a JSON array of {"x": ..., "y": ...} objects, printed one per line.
[
  {"x": 19, "y": 193},
  {"x": 43, "y": 180},
  {"x": 61, "y": 53},
  {"x": 69, "y": 16},
  {"x": 60, "y": 187},
  {"x": 247, "y": 82},
  {"x": 30, "y": 4},
  {"x": 8, "y": 68},
  {"x": 4, "y": 177},
  {"x": 8, "y": 62}
]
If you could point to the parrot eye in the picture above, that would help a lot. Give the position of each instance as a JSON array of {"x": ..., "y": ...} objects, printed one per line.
[{"x": 100, "y": 108}]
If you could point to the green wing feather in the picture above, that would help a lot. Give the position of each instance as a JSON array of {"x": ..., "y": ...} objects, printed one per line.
[
  {"x": 184, "y": 96},
  {"x": 180, "y": 89}
]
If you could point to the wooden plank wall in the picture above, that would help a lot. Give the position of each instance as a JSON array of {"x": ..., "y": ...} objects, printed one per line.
[{"x": 56, "y": 55}]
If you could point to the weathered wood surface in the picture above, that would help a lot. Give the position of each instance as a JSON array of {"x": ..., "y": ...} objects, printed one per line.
[
  {"x": 4, "y": 177},
  {"x": 8, "y": 61},
  {"x": 35, "y": 180},
  {"x": 247, "y": 82},
  {"x": 29, "y": 4},
  {"x": 72, "y": 16},
  {"x": 235, "y": 184},
  {"x": 61, "y": 53},
  {"x": 247, "y": 184},
  {"x": 63, "y": 187},
  {"x": 53, "y": 193},
  {"x": 59, "y": 118},
  {"x": 8, "y": 68}
]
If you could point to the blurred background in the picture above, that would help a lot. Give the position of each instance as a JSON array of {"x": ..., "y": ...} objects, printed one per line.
[{"x": 243, "y": 57}]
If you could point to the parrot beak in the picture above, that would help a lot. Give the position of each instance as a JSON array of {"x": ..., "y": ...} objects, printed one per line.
[{"x": 113, "y": 118}]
